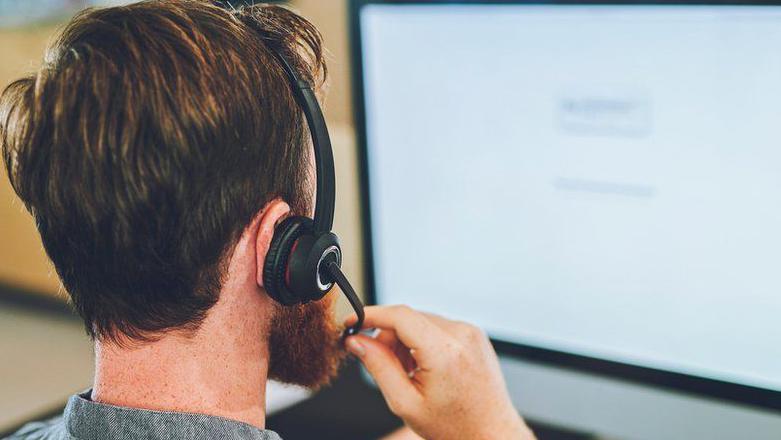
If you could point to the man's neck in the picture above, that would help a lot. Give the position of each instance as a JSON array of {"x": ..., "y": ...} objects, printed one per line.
[{"x": 220, "y": 371}]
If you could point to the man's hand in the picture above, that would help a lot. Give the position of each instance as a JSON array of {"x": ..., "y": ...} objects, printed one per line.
[{"x": 441, "y": 377}]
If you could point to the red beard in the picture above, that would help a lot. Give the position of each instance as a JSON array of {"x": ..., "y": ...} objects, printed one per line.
[{"x": 305, "y": 344}]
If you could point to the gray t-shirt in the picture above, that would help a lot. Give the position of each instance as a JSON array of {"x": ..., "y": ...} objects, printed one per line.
[{"x": 84, "y": 419}]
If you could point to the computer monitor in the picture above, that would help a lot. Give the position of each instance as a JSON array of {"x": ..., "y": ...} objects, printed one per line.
[{"x": 598, "y": 186}]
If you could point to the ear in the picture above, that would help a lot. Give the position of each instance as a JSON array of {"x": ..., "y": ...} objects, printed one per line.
[{"x": 270, "y": 216}]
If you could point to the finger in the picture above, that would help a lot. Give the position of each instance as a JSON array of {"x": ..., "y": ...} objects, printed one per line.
[
  {"x": 389, "y": 339},
  {"x": 386, "y": 369},
  {"x": 386, "y": 336},
  {"x": 447, "y": 325},
  {"x": 412, "y": 328},
  {"x": 439, "y": 320}
]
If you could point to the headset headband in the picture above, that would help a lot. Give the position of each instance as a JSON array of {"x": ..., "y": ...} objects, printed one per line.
[
  {"x": 326, "y": 187},
  {"x": 324, "y": 157}
]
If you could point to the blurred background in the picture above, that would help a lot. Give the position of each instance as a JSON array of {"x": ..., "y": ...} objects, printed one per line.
[{"x": 596, "y": 185}]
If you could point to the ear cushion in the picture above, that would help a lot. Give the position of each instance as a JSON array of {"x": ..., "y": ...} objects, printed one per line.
[{"x": 285, "y": 237}]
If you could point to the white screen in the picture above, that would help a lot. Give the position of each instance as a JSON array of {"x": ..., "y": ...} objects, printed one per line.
[{"x": 601, "y": 180}]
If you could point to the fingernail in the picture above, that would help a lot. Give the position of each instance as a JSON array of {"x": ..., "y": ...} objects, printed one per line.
[{"x": 355, "y": 347}]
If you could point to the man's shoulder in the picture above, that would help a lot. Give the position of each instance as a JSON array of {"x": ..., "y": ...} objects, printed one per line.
[
  {"x": 52, "y": 429},
  {"x": 85, "y": 419}
]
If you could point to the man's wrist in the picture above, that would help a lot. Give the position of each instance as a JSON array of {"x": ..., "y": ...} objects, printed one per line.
[
  {"x": 526, "y": 432},
  {"x": 513, "y": 426}
]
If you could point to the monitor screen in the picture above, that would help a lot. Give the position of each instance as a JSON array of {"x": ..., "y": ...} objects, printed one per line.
[{"x": 600, "y": 180}]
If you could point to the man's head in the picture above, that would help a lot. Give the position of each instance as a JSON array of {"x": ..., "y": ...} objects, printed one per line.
[{"x": 145, "y": 146}]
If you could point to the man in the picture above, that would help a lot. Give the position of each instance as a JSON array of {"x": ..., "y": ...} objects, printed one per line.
[{"x": 157, "y": 148}]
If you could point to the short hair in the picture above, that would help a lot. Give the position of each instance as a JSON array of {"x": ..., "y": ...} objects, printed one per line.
[{"x": 148, "y": 140}]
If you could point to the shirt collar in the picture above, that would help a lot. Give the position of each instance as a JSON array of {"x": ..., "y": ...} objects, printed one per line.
[{"x": 88, "y": 420}]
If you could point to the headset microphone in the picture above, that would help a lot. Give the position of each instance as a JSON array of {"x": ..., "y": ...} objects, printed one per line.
[{"x": 304, "y": 258}]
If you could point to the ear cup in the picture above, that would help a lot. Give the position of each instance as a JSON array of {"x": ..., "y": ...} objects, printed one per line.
[
  {"x": 307, "y": 277},
  {"x": 275, "y": 268}
]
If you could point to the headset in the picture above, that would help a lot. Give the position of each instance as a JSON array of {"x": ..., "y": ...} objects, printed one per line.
[{"x": 304, "y": 259}]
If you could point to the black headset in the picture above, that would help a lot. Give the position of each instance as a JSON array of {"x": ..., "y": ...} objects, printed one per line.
[{"x": 304, "y": 258}]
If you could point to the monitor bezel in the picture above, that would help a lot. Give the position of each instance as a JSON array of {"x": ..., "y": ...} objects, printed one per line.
[{"x": 702, "y": 387}]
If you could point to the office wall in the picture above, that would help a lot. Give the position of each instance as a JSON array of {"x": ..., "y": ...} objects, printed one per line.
[
  {"x": 330, "y": 16},
  {"x": 23, "y": 262}
]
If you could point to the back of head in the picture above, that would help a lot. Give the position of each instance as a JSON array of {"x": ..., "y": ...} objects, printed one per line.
[{"x": 147, "y": 141}]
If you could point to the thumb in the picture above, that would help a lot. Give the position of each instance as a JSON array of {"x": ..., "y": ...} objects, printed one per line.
[{"x": 386, "y": 369}]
